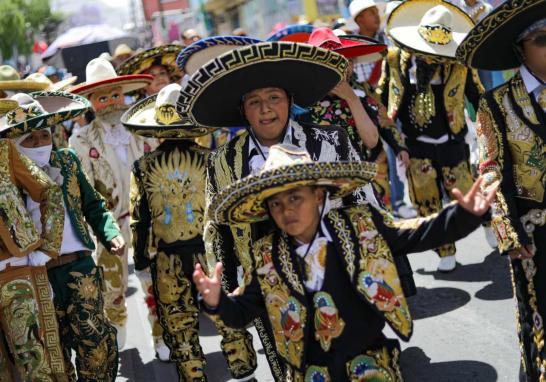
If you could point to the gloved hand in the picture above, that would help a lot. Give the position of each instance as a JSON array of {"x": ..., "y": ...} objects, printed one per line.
[{"x": 37, "y": 259}]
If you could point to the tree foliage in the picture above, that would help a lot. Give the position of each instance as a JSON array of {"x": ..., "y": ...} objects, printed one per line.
[{"x": 21, "y": 21}]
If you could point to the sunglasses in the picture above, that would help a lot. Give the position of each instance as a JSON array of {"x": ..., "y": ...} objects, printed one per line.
[{"x": 538, "y": 39}]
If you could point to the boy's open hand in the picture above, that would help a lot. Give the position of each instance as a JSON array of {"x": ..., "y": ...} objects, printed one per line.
[
  {"x": 475, "y": 201},
  {"x": 210, "y": 288}
]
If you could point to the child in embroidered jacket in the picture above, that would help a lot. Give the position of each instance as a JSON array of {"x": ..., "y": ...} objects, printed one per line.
[{"x": 321, "y": 263}]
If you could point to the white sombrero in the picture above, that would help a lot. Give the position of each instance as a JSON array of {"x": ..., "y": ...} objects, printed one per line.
[{"x": 432, "y": 27}]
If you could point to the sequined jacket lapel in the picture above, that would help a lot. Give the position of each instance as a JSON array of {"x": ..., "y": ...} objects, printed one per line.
[
  {"x": 18, "y": 234},
  {"x": 85, "y": 206},
  {"x": 512, "y": 148}
]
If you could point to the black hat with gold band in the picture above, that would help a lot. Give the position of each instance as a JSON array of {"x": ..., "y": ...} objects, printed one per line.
[
  {"x": 213, "y": 95},
  {"x": 429, "y": 27},
  {"x": 164, "y": 55},
  {"x": 41, "y": 110},
  {"x": 491, "y": 44},
  {"x": 156, "y": 117},
  {"x": 286, "y": 167}
]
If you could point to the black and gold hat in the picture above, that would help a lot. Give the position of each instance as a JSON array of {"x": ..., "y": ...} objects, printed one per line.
[
  {"x": 429, "y": 27},
  {"x": 490, "y": 45},
  {"x": 213, "y": 95},
  {"x": 164, "y": 55},
  {"x": 156, "y": 117},
  {"x": 41, "y": 110},
  {"x": 286, "y": 167}
]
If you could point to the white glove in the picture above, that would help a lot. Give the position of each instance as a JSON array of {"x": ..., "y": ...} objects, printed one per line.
[{"x": 37, "y": 259}]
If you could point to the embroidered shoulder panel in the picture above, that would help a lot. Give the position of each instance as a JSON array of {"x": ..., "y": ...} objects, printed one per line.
[
  {"x": 286, "y": 314},
  {"x": 491, "y": 151},
  {"x": 377, "y": 277},
  {"x": 454, "y": 96},
  {"x": 14, "y": 215}
]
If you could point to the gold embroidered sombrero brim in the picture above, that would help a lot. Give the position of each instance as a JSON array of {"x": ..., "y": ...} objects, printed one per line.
[
  {"x": 164, "y": 55},
  {"x": 6, "y": 105},
  {"x": 141, "y": 120},
  {"x": 59, "y": 107},
  {"x": 490, "y": 44},
  {"x": 244, "y": 200},
  {"x": 403, "y": 28},
  {"x": 213, "y": 95},
  {"x": 22, "y": 86}
]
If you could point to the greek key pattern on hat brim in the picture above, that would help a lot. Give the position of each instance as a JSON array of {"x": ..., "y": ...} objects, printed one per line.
[
  {"x": 133, "y": 64},
  {"x": 197, "y": 46},
  {"x": 489, "y": 25},
  {"x": 243, "y": 201},
  {"x": 47, "y": 120},
  {"x": 251, "y": 55}
]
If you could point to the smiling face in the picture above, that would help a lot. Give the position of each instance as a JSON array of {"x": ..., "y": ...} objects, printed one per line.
[
  {"x": 297, "y": 211},
  {"x": 267, "y": 111}
]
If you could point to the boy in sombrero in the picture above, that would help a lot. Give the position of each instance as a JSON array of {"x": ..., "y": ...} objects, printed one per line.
[
  {"x": 74, "y": 277},
  {"x": 512, "y": 146},
  {"x": 167, "y": 216},
  {"x": 326, "y": 277}
]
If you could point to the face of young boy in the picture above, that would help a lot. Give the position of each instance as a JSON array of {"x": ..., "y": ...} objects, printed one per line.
[{"x": 296, "y": 211}]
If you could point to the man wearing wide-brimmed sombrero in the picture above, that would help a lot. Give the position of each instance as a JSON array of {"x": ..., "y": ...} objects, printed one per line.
[
  {"x": 159, "y": 62},
  {"x": 512, "y": 145},
  {"x": 107, "y": 151},
  {"x": 254, "y": 86},
  {"x": 424, "y": 88},
  {"x": 30, "y": 348},
  {"x": 167, "y": 216},
  {"x": 326, "y": 277},
  {"x": 74, "y": 277}
]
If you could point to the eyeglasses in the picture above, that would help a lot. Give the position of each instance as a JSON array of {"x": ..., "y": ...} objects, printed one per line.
[{"x": 538, "y": 39}]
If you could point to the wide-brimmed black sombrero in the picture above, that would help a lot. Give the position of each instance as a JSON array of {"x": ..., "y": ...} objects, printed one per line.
[
  {"x": 286, "y": 167},
  {"x": 156, "y": 117},
  {"x": 195, "y": 55},
  {"x": 213, "y": 94},
  {"x": 41, "y": 110},
  {"x": 490, "y": 45}
]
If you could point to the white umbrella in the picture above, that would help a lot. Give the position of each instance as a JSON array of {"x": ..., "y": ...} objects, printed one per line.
[{"x": 82, "y": 35}]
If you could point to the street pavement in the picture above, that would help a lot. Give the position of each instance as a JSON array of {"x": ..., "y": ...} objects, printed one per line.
[{"x": 464, "y": 325}]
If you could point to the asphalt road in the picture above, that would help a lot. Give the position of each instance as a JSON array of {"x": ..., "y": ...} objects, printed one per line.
[{"x": 464, "y": 327}]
